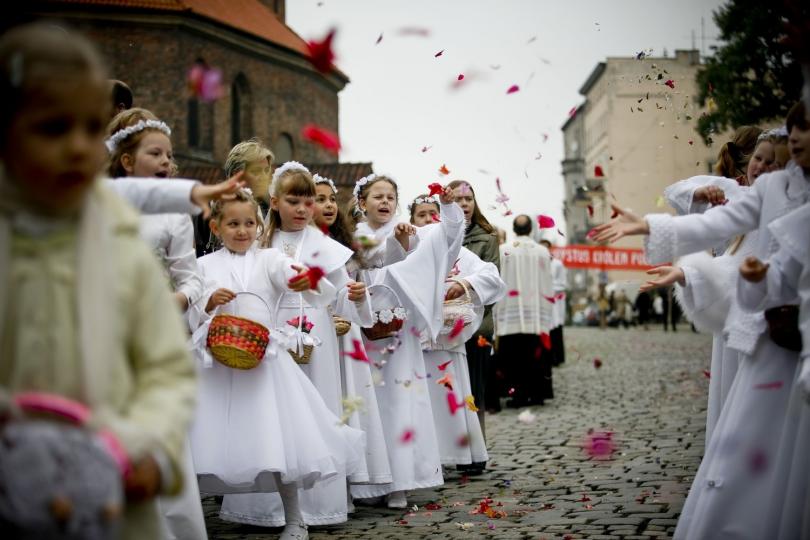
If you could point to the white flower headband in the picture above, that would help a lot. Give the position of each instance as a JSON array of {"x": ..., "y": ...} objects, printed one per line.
[
  {"x": 288, "y": 166},
  {"x": 323, "y": 180},
  {"x": 119, "y": 136},
  {"x": 430, "y": 199},
  {"x": 781, "y": 131},
  {"x": 362, "y": 182}
]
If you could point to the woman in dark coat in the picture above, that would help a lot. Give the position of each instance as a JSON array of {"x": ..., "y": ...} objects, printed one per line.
[{"x": 480, "y": 237}]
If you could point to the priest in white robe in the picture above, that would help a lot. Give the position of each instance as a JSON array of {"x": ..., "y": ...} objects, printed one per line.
[{"x": 523, "y": 318}]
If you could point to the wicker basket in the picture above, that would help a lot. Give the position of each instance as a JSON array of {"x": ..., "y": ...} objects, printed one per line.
[
  {"x": 382, "y": 330},
  {"x": 300, "y": 356},
  {"x": 342, "y": 326},
  {"x": 458, "y": 308},
  {"x": 237, "y": 342}
]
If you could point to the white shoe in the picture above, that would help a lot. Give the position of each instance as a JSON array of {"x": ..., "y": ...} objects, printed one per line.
[
  {"x": 295, "y": 531},
  {"x": 397, "y": 500}
]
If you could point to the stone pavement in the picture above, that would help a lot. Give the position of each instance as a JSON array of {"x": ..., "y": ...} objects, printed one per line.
[{"x": 647, "y": 400}]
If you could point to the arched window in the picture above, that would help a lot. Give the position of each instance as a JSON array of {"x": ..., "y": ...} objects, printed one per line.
[
  {"x": 283, "y": 148},
  {"x": 241, "y": 110}
]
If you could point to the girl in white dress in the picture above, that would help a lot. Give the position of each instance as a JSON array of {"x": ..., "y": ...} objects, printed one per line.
[
  {"x": 741, "y": 467},
  {"x": 701, "y": 281},
  {"x": 266, "y": 429},
  {"x": 140, "y": 146},
  {"x": 412, "y": 289},
  {"x": 461, "y": 441},
  {"x": 357, "y": 375},
  {"x": 288, "y": 230}
]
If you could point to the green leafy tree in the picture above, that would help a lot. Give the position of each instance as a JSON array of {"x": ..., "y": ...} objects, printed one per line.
[{"x": 754, "y": 75}]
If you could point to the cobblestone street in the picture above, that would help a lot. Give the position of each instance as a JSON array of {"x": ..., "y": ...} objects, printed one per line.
[{"x": 649, "y": 393}]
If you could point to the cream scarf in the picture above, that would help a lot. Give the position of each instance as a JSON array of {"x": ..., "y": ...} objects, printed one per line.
[{"x": 95, "y": 285}]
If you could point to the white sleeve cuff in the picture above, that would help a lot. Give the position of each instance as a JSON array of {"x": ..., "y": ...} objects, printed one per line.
[{"x": 660, "y": 244}]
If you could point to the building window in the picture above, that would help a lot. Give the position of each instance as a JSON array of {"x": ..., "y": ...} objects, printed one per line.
[
  {"x": 193, "y": 123},
  {"x": 283, "y": 149},
  {"x": 241, "y": 110}
]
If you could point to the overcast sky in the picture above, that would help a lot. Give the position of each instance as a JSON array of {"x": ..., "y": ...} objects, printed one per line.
[{"x": 403, "y": 98}]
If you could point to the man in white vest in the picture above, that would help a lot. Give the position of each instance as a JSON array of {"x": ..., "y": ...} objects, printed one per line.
[{"x": 523, "y": 318}]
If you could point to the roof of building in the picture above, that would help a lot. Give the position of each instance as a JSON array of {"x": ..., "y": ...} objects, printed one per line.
[
  {"x": 343, "y": 174},
  {"x": 592, "y": 78},
  {"x": 249, "y": 16}
]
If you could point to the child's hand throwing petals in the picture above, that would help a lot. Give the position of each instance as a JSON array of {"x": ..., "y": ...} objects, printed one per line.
[
  {"x": 753, "y": 270},
  {"x": 402, "y": 232},
  {"x": 624, "y": 224},
  {"x": 448, "y": 196},
  {"x": 300, "y": 282},
  {"x": 218, "y": 298},
  {"x": 667, "y": 275},
  {"x": 357, "y": 291},
  {"x": 202, "y": 195},
  {"x": 710, "y": 194}
]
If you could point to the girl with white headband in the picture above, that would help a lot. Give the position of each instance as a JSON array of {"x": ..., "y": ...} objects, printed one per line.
[
  {"x": 409, "y": 286},
  {"x": 140, "y": 146},
  {"x": 288, "y": 229}
]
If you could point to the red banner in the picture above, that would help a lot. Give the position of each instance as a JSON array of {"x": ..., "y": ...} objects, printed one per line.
[{"x": 601, "y": 257}]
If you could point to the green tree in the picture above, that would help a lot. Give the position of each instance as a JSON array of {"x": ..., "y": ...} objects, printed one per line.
[{"x": 754, "y": 75}]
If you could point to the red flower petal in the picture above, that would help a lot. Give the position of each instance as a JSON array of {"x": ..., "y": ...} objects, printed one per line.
[
  {"x": 545, "y": 339},
  {"x": 407, "y": 436},
  {"x": 670, "y": 83},
  {"x": 590, "y": 210},
  {"x": 444, "y": 170},
  {"x": 458, "y": 326},
  {"x": 513, "y": 292},
  {"x": 358, "y": 353},
  {"x": 545, "y": 222},
  {"x": 436, "y": 188},
  {"x": 597, "y": 363},
  {"x": 320, "y": 53},
  {"x": 512, "y": 89},
  {"x": 453, "y": 403},
  {"x": 442, "y": 367},
  {"x": 322, "y": 137},
  {"x": 314, "y": 275},
  {"x": 550, "y": 298},
  {"x": 460, "y": 77},
  {"x": 598, "y": 172}
]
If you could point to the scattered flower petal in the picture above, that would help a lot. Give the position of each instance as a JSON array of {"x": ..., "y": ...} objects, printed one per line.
[
  {"x": 320, "y": 53},
  {"x": 322, "y": 137},
  {"x": 470, "y": 401},
  {"x": 438, "y": 54},
  {"x": 379, "y": 39},
  {"x": 545, "y": 339},
  {"x": 597, "y": 363},
  {"x": 407, "y": 436},
  {"x": 599, "y": 444},
  {"x": 513, "y": 293},
  {"x": 444, "y": 170},
  {"x": 670, "y": 83},
  {"x": 598, "y": 172},
  {"x": 436, "y": 188},
  {"x": 443, "y": 366},
  {"x": 512, "y": 89},
  {"x": 545, "y": 222},
  {"x": 358, "y": 353},
  {"x": 483, "y": 342},
  {"x": 458, "y": 326}
]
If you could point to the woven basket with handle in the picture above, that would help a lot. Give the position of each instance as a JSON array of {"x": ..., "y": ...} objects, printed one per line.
[
  {"x": 237, "y": 342},
  {"x": 458, "y": 308},
  {"x": 383, "y": 330},
  {"x": 303, "y": 354}
]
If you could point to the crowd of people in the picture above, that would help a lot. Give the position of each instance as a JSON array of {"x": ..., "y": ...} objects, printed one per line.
[
  {"x": 249, "y": 339},
  {"x": 753, "y": 479}
]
